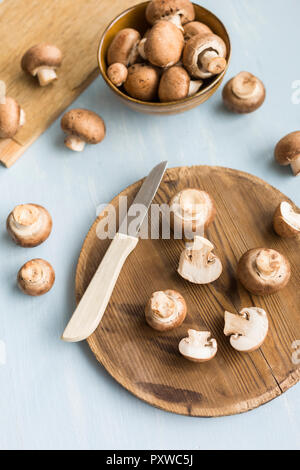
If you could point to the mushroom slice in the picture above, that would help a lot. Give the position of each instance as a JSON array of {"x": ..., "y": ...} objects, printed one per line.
[
  {"x": 198, "y": 264},
  {"x": 164, "y": 44},
  {"x": 247, "y": 330},
  {"x": 192, "y": 211},
  {"x": 244, "y": 93},
  {"x": 142, "y": 82},
  {"x": 165, "y": 310},
  {"x": 205, "y": 55},
  {"x": 286, "y": 221},
  {"x": 42, "y": 60},
  {"x": 117, "y": 73},
  {"x": 36, "y": 277},
  {"x": 193, "y": 28},
  {"x": 178, "y": 12},
  {"x": 124, "y": 47},
  {"x": 174, "y": 84},
  {"x": 29, "y": 225},
  {"x": 198, "y": 346},
  {"x": 263, "y": 271},
  {"x": 12, "y": 117},
  {"x": 287, "y": 151},
  {"x": 82, "y": 126}
]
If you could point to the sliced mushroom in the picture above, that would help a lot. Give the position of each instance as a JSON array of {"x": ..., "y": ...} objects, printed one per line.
[
  {"x": 192, "y": 211},
  {"x": 117, "y": 73},
  {"x": 12, "y": 117},
  {"x": 178, "y": 12},
  {"x": 82, "y": 126},
  {"x": 124, "y": 47},
  {"x": 174, "y": 84},
  {"x": 29, "y": 225},
  {"x": 247, "y": 330},
  {"x": 195, "y": 27},
  {"x": 244, "y": 93},
  {"x": 198, "y": 264},
  {"x": 36, "y": 277},
  {"x": 286, "y": 221},
  {"x": 142, "y": 82},
  {"x": 164, "y": 44},
  {"x": 205, "y": 55},
  {"x": 263, "y": 271},
  {"x": 287, "y": 151},
  {"x": 199, "y": 346},
  {"x": 165, "y": 310},
  {"x": 42, "y": 60}
]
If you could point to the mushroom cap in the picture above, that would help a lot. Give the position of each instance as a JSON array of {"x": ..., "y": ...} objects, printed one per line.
[
  {"x": 41, "y": 55},
  {"x": 174, "y": 84},
  {"x": 286, "y": 221},
  {"x": 244, "y": 93},
  {"x": 117, "y": 73},
  {"x": 10, "y": 113},
  {"x": 142, "y": 82},
  {"x": 165, "y": 310},
  {"x": 164, "y": 44},
  {"x": 85, "y": 124},
  {"x": 199, "y": 346},
  {"x": 36, "y": 277},
  {"x": 247, "y": 330},
  {"x": 195, "y": 27},
  {"x": 29, "y": 225},
  {"x": 263, "y": 271},
  {"x": 123, "y": 48},
  {"x": 198, "y": 45},
  {"x": 162, "y": 9},
  {"x": 288, "y": 148}
]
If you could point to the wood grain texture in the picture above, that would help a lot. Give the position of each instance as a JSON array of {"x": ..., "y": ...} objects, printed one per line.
[
  {"x": 147, "y": 363},
  {"x": 75, "y": 27}
]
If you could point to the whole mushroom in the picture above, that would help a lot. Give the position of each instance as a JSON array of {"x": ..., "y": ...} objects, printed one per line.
[
  {"x": 124, "y": 47},
  {"x": 286, "y": 221},
  {"x": 29, "y": 225},
  {"x": 42, "y": 60},
  {"x": 165, "y": 310},
  {"x": 247, "y": 330},
  {"x": 36, "y": 277},
  {"x": 175, "y": 84},
  {"x": 117, "y": 73},
  {"x": 244, "y": 93},
  {"x": 164, "y": 44},
  {"x": 199, "y": 346},
  {"x": 178, "y": 12},
  {"x": 12, "y": 117},
  {"x": 287, "y": 151},
  {"x": 204, "y": 55},
  {"x": 195, "y": 27},
  {"x": 82, "y": 126},
  {"x": 198, "y": 264},
  {"x": 263, "y": 271},
  {"x": 142, "y": 82}
]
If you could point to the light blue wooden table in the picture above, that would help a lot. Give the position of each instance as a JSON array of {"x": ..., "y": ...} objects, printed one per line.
[{"x": 55, "y": 395}]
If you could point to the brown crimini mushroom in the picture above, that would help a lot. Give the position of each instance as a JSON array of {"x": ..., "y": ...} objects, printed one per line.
[
  {"x": 12, "y": 117},
  {"x": 29, "y": 225},
  {"x": 42, "y": 60},
  {"x": 142, "y": 82},
  {"x": 287, "y": 151},
  {"x": 244, "y": 93},
  {"x": 82, "y": 126},
  {"x": 117, "y": 73},
  {"x": 165, "y": 310},
  {"x": 178, "y": 12},
  {"x": 247, "y": 330},
  {"x": 199, "y": 346},
  {"x": 263, "y": 271},
  {"x": 286, "y": 221},
  {"x": 124, "y": 47},
  {"x": 174, "y": 84},
  {"x": 204, "y": 55},
  {"x": 193, "y": 28},
  {"x": 164, "y": 44},
  {"x": 36, "y": 277}
]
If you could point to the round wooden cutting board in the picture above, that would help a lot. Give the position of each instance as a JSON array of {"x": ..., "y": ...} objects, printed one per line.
[{"x": 146, "y": 362}]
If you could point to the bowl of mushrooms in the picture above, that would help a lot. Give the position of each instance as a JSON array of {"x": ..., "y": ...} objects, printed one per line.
[{"x": 164, "y": 56}]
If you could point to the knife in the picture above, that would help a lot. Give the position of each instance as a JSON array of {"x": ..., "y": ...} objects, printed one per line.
[{"x": 92, "y": 306}]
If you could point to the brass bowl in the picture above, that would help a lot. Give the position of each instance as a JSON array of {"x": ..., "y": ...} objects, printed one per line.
[{"x": 134, "y": 17}]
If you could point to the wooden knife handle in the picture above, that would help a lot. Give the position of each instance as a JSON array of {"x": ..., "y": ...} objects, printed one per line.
[{"x": 93, "y": 304}]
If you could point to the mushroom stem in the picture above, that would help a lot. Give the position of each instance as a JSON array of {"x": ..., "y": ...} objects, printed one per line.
[
  {"x": 295, "y": 165},
  {"x": 212, "y": 62},
  {"x": 175, "y": 19},
  {"x": 74, "y": 143},
  {"x": 195, "y": 86},
  {"x": 46, "y": 75},
  {"x": 22, "y": 117}
]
